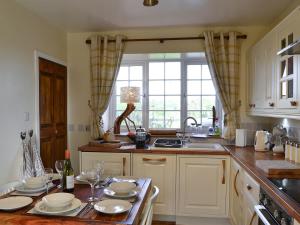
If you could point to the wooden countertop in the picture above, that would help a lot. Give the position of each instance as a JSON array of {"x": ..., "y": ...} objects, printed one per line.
[
  {"x": 247, "y": 157},
  {"x": 88, "y": 216}
]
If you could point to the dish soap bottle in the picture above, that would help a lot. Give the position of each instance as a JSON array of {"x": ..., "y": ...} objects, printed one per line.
[{"x": 68, "y": 174}]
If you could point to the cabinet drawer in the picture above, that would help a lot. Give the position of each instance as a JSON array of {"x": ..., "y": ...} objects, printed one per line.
[{"x": 250, "y": 187}]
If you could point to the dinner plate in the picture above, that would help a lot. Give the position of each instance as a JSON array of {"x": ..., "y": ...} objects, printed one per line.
[
  {"x": 83, "y": 180},
  {"x": 109, "y": 192},
  {"x": 23, "y": 189},
  {"x": 42, "y": 208},
  {"x": 15, "y": 202},
  {"x": 112, "y": 206}
]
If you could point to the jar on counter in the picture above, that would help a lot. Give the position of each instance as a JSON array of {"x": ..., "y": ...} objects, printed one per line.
[
  {"x": 287, "y": 150},
  {"x": 297, "y": 153},
  {"x": 293, "y": 152}
]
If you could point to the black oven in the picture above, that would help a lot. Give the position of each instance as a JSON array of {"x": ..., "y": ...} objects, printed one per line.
[{"x": 269, "y": 212}]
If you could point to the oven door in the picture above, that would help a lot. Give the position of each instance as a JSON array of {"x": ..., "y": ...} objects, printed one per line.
[{"x": 264, "y": 217}]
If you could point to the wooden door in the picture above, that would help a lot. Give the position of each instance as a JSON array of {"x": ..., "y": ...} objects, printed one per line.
[
  {"x": 202, "y": 187},
  {"x": 53, "y": 111},
  {"x": 162, "y": 170}
]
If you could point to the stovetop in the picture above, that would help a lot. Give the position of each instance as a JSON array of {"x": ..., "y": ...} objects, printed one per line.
[{"x": 290, "y": 187}]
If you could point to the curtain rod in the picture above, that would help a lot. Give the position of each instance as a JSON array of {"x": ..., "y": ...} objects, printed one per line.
[{"x": 161, "y": 40}]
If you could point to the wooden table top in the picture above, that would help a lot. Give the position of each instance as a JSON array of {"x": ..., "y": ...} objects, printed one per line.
[{"x": 87, "y": 215}]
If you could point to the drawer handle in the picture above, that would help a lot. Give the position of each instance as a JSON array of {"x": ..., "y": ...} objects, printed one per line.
[
  {"x": 235, "y": 178},
  {"x": 293, "y": 103},
  {"x": 252, "y": 218},
  {"x": 124, "y": 164},
  {"x": 271, "y": 104},
  {"x": 224, "y": 171},
  {"x": 249, "y": 188},
  {"x": 154, "y": 160}
]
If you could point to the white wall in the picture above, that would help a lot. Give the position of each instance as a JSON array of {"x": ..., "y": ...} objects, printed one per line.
[
  {"x": 78, "y": 63},
  {"x": 21, "y": 33}
]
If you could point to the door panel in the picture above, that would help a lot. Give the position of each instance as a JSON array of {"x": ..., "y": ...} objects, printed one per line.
[{"x": 46, "y": 100}]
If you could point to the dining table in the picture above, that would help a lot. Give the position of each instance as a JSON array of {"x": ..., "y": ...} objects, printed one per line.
[{"x": 87, "y": 216}]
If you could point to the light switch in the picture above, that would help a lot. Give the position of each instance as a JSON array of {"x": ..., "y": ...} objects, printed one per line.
[
  {"x": 71, "y": 127},
  {"x": 26, "y": 116}
]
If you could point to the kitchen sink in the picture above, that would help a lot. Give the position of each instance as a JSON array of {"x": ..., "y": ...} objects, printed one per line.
[{"x": 203, "y": 146}]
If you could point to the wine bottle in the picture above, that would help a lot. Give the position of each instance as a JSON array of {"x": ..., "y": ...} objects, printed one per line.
[{"x": 68, "y": 174}]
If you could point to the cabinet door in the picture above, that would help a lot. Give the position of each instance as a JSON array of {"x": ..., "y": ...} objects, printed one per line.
[
  {"x": 115, "y": 164},
  {"x": 250, "y": 216},
  {"x": 236, "y": 197},
  {"x": 162, "y": 170},
  {"x": 296, "y": 223},
  {"x": 202, "y": 187}
]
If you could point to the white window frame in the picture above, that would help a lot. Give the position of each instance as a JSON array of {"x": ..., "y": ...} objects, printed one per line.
[{"x": 145, "y": 107}]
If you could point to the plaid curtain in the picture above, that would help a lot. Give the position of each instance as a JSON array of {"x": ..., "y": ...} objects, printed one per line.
[
  {"x": 223, "y": 58},
  {"x": 105, "y": 59}
]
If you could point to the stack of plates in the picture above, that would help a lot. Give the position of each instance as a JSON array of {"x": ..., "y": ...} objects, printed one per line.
[{"x": 40, "y": 207}]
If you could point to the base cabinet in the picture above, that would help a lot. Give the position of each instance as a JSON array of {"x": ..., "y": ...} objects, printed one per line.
[
  {"x": 115, "y": 164},
  {"x": 162, "y": 170},
  {"x": 202, "y": 186}
]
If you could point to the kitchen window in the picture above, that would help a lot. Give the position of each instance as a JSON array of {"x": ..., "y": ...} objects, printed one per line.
[{"x": 173, "y": 86}]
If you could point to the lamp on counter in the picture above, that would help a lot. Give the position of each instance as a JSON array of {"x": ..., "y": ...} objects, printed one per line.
[{"x": 129, "y": 95}]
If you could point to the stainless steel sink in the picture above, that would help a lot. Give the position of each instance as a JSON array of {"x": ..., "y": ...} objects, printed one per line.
[
  {"x": 168, "y": 143},
  {"x": 203, "y": 146}
]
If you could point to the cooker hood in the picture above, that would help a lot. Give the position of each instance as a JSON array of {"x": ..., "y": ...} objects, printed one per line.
[{"x": 292, "y": 49}]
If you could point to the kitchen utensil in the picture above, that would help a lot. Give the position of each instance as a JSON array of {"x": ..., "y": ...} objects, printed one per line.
[
  {"x": 141, "y": 138},
  {"x": 241, "y": 137},
  {"x": 40, "y": 207},
  {"x": 92, "y": 177},
  {"x": 48, "y": 176},
  {"x": 58, "y": 200},
  {"x": 279, "y": 168},
  {"x": 122, "y": 187},
  {"x": 112, "y": 206},
  {"x": 109, "y": 192},
  {"x": 14, "y": 203},
  {"x": 260, "y": 143},
  {"x": 34, "y": 182}
]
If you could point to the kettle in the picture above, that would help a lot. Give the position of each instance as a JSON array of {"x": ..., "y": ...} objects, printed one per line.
[
  {"x": 261, "y": 140},
  {"x": 141, "y": 138}
]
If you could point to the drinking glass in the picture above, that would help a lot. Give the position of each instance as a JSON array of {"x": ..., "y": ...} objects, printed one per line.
[
  {"x": 59, "y": 166},
  {"x": 92, "y": 177},
  {"x": 99, "y": 166},
  {"x": 48, "y": 177}
]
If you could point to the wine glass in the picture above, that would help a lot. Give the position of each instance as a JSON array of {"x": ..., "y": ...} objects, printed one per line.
[
  {"x": 92, "y": 177},
  {"x": 99, "y": 166},
  {"x": 48, "y": 176},
  {"x": 59, "y": 166}
]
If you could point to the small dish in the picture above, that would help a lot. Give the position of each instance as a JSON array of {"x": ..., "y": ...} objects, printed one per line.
[
  {"x": 58, "y": 200},
  {"x": 14, "y": 203},
  {"x": 127, "y": 179},
  {"x": 34, "y": 182},
  {"x": 122, "y": 187},
  {"x": 109, "y": 192},
  {"x": 112, "y": 206},
  {"x": 40, "y": 207},
  {"x": 24, "y": 189}
]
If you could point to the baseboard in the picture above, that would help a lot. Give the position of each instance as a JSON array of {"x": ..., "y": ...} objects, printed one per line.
[{"x": 180, "y": 220}]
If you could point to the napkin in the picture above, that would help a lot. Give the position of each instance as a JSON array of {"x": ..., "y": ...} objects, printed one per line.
[{"x": 70, "y": 214}]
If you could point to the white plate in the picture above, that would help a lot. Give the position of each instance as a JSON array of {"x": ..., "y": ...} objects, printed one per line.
[
  {"x": 13, "y": 203},
  {"x": 112, "y": 206},
  {"x": 23, "y": 189},
  {"x": 83, "y": 180},
  {"x": 41, "y": 208},
  {"x": 109, "y": 192}
]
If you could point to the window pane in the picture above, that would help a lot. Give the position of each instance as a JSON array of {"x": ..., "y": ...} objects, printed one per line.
[
  {"x": 156, "y": 71},
  {"x": 156, "y": 119},
  {"x": 208, "y": 102},
  {"x": 196, "y": 115},
  {"x": 172, "y": 103},
  {"x": 194, "y": 72},
  {"x": 173, "y": 119},
  {"x": 156, "y": 102},
  {"x": 194, "y": 102},
  {"x": 291, "y": 65},
  {"x": 120, "y": 84},
  {"x": 173, "y": 70},
  {"x": 194, "y": 87},
  {"x": 120, "y": 106},
  {"x": 283, "y": 89},
  {"x": 156, "y": 87},
  {"x": 123, "y": 73},
  {"x": 136, "y": 73},
  {"x": 136, "y": 117},
  {"x": 172, "y": 87},
  {"x": 206, "y": 117},
  {"x": 137, "y": 84},
  {"x": 205, "y": 72},
  {"x": 208, "y": 87},
  {"x": 290, "y": 88}
]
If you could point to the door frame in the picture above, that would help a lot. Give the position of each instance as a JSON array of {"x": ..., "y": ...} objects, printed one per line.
[{"x": 38, "y": 54}]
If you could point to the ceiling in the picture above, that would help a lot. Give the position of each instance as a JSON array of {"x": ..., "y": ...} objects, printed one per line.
[{"x": 97, "y": 15}]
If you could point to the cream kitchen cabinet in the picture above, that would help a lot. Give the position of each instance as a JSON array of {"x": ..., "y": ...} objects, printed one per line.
[
  {"x": 202, "y": 186},
  {"x": 236, "y": 195},
  {"x": 115, "y": 164},
  {"x": 162, "y": 170},
  {"x": 296, "y": 223}
]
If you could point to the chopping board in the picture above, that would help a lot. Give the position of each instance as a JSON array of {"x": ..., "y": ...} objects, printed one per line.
[
  {"x": 279, "y": 168},
  {"x": 106, "y": 145}
]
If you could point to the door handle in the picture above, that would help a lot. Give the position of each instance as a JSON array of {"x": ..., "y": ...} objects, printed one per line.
[
  {"x": 252, "y": 218},
  {"x": 154, "y": 160},
  {"x": 224, "y": 171},
  {"x": 235, "y": 179}
]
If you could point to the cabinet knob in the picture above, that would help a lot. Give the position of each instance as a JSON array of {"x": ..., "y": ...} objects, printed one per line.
[
  {"x": 293, "y": 103},
  {"x": 248, "y": 187},
  {"x": 271, "y": 104}
]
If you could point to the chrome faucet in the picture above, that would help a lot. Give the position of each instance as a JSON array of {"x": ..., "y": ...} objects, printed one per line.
[{"x": 184, "y": 124}]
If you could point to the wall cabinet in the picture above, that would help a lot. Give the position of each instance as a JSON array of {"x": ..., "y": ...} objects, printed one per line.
[
  {"x": 274, "y": 80},
  {"x": 115, "y": 164},
  {"x": 162, "y": 170},
  {"x": 202, "y": 186}
]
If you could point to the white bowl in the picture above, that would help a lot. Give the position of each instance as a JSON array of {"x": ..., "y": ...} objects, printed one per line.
[
  {"x": 34, "y": 182},
  {"x": 58, "y": 200},
  {"x": 123, "y": 187}
]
